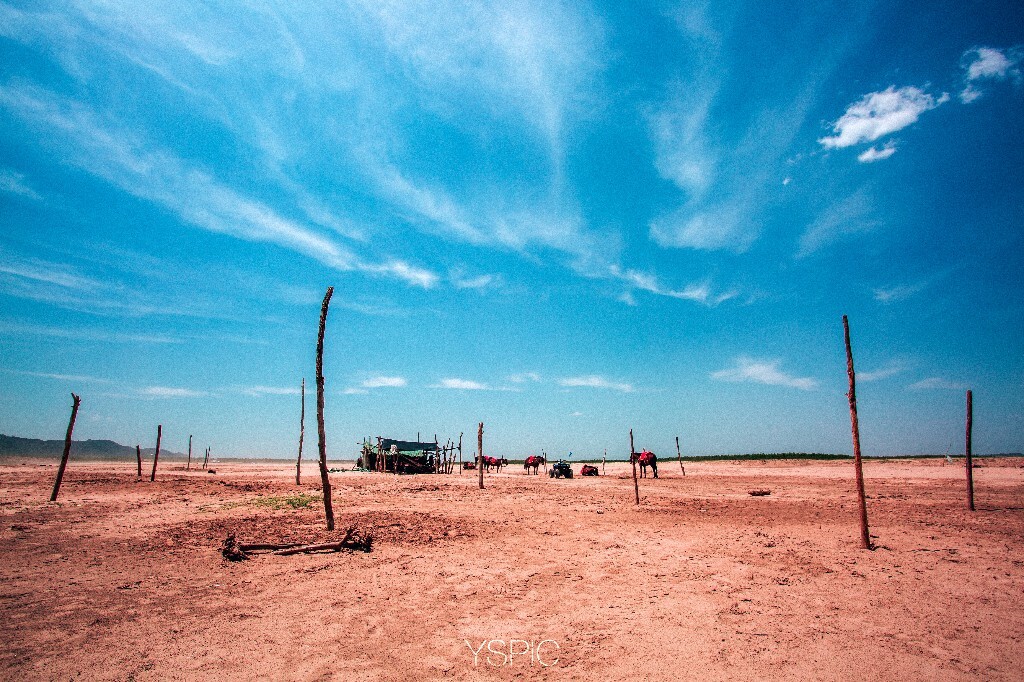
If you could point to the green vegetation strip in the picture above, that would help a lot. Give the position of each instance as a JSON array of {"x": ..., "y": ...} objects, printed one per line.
[{"x": 299, "y": 501}]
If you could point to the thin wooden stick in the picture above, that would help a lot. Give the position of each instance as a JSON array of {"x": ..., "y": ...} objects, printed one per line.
[
  {"x": 865, "y": 536},
  {"x": 67, "y": 447},
  {"x": 328, "y": 509},
  {"x": 679, "y": 455},
  {"x": 460, "y": 454},
  {"x": 206, "y": 459},
  {"x": 302, "y": 433},
  {"x": 156, "y": 454},
  {"x": 480, "y": 454},
  {"x": 632, "y": 460},
  {"x": 138, "y": 457},
  {"x": 189, "y": 465},
  {"x": 970, "y": 463}
]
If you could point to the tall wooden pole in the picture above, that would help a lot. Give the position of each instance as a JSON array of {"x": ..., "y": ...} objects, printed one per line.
[
  {"x": 679, "y": 456},
  {"x": 156, "y": 454},
  {"x": 138, "y": 457},
  {"x": 324, "y": 478},
  {"x": 865, "y": 536},
  {"x": 206, "y": 459},
  {"x": 460, "y": 454},
  {"x": 189, "y": 465},
  {"x": 302, "y": 433},
  {"x": 632, "y": 460},
  {"x": 480, "y": 454},
  {"x": 67, "y": 447},
  {"x": 970, "y": 464}
]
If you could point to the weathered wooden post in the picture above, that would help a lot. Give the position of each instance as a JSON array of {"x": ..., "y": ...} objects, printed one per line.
[
  {"x": 206, "y": 459},
  {"x": 156, "y": 454},
  {"x": 189, "y": 465},
  {"x": 970, "y": 463},
  {"x": 67, "y": 447},
  {"x": 460, "y": 454},
  {"x": 865, "y": 536},
  {"x": 679, "y": 456},
  {"x": 324, "y": 478},
  {"x": 302, "y": 433},
  {"x": 632, "y": 460},
  {"x": 138, "y": 457},
  {"x": 480, "y": 454}
]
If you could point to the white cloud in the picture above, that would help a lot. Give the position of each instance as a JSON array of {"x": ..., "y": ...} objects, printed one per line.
[
  {"x": 644, "y": 281},
  {"x": 986, "y": 63},
  {"x": 479, "y": 282},
  {"x": 937, "y": 383},
  {"x": 595, "y": 381},
  {"x": 384, "y": 382},
  {"x": 14, "y": 182},
  {"x": 462, "y": 384},
  {"x": 872, "y": 154},
  {"x": 853, "y": 215},
  {"x": 169, "y": 392},
  {"x": 878, "y": 114},
  {"x": 900, "y": 292},
  {"x": 890, "y": 369},
  {"x": 260, "y": 391},
  {"x": 525, "y": 377},
  {"x": 763, "y": 372},
  {"x": 77, "y": 378}
]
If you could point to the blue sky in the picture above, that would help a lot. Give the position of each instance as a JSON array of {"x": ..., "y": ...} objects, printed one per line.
[{"x": 564, "y": 220}]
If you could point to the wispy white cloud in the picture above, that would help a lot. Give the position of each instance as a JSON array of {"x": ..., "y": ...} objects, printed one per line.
[
  {"x": 169, "y": 392},
  {"x": 890, "y": 369},
  {"x": 854, "y": 214},
  {"x": 525, "y": 377},
  {"x": 461, "y": 384},
  {"x": 77, "y": 378},
  {"x": 987, "y": 63},
  {"x": 937, "y": 383},
  {"x": 81, "y": 333},
  {"x": 14, "y": 182},
  {"x": 900, "y": 292},
  {"x": 259, "y": 391},
  {"x": 144, "y": 170},
  {"x": 644, "y": 281},
  {"x": 384, "y": 382},
  {"x": 479, "y": 282},
  {"x": 872, "y": 154},
  {"x": 763, "y": 372},
  {"x": 878, "y": 114},
  {"x": 595, "y": 381}
]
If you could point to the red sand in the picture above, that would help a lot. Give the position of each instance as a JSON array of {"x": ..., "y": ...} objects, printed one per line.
[{"x": 123, "y": 579}]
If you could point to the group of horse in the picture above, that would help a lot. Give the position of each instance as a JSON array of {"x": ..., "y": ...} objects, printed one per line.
[{"x": 645, "y": 459}]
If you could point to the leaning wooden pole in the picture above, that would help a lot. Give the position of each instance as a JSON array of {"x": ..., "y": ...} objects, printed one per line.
[
  {"x": 138, "y": 457},
  {"x": 302, "y": 433},
  {"x": 970, "y": 463},
  {"x": 156, "y": 454},
  {"x": 865, "y": 536},
  {"x": 480, "y": 454},
  {"x": 632, "y": 460},
  {"x": 189, "y": 465},
  {"x": 679, "y": 456},
  {"x": 67, "y": 447},
  {"x": 324, "y": 478}
]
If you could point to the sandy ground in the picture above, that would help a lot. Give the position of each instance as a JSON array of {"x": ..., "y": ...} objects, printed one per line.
[{"x": 123, "y": 579}]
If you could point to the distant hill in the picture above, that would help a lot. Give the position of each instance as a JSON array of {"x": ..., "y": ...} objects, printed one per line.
[{"x": 13, "y": 446}]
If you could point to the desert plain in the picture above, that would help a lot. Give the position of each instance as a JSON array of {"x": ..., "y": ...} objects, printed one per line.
[{"x": 529, "y": 578}]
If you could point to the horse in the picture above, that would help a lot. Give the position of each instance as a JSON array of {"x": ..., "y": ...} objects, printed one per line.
[
  {"x": 588, "y": 470},
  {"x": 534, "y": 462},
  {"x": 494, "y": 462},
  {"x": 646, "y": 459}
]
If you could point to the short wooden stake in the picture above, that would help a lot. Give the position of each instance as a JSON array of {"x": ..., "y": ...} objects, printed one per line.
[
  {"x": 679, "y": 455},
  {"x": 138, "y": 458},
  {"x": 67, "y": 447},
  {"x": 480, "y": 454},
  {"x": 302, "y": 433},
  {"x": 324, "y": 478},
  {"x": 189, "y": 465},
  {"x": 970, "y": 463},
  {"x": 865, "y": 536},
  {"x": 632, "y": 460},
  {"x": 156, "y": 454}
]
